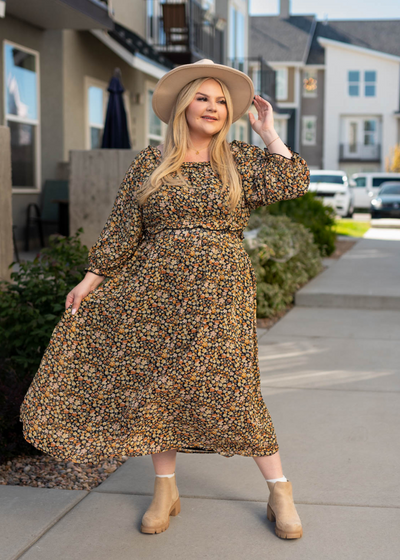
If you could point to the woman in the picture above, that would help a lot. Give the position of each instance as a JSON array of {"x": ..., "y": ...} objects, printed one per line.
[{"x": 163, "y": 356}]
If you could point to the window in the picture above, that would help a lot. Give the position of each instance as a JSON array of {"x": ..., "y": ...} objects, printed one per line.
[
  {"x": 369, "y": 132},
  {"x": 310, "y": 83},
  {"x": 360, "y": 182},
  {"x": 309, "y": 130},
  {"x": 96, "y": 100},
  {"x": 154, "y": 134},
  {"x": 354, "y": 83},
  {"x": 96, "y": 103},
  {"x": 281, "y": 83},
  {"x": 370, "y": 83},
  {"x": 237, "y": 38},
  {"x": 21, "y": 71}
]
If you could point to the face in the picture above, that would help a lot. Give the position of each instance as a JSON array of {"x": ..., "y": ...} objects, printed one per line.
[{"x": 207, "y": 112}]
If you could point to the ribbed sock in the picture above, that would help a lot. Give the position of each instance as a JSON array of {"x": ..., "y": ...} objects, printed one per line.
[
  {"x": 283, "y": 479},
  {"x": 166, "y": 475}
]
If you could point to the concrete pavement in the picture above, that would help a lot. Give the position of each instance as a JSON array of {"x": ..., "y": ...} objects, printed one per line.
[{"x": 330, "y": 378}]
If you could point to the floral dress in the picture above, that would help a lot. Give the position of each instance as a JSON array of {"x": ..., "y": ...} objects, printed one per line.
[{"x": 163, "y": 354}]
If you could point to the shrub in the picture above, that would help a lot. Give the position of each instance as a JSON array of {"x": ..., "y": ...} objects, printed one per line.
[
  {"x": 30, "y": 307},
  {"x": 284, "y": 257},
  {"x": 312, "y": 213}
]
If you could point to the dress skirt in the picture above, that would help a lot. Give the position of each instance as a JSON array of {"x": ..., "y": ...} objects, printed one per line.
[{"x": 163, "y": 354}]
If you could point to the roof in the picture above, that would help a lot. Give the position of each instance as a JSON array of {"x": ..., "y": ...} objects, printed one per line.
[
  {"x": 378, "y": 35},
  {"x": 287, "y": 39},
  {"x": 280, "y": 40}
]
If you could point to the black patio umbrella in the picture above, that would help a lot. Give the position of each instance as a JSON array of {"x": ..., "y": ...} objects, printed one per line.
[{"x": 115, "y": 133}]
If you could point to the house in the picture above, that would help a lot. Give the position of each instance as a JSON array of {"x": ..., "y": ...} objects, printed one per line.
[
  {"x": 339, "y": 84},
  {"x": 58, "y": 58}
]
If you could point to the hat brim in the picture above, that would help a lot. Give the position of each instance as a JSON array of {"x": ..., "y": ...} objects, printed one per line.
[{"x": 168, "y": 87}]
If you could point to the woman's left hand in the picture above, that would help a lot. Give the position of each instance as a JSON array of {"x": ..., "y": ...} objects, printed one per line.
[{"x": 265, "y": 121}]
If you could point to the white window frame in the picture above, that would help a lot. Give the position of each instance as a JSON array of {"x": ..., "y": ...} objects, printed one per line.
[
  {"x": 365, "y": 84},
  {"x": 353, "y": 83},
  {"x": 310, "y": 73},
  {"x": 304, "y": 120},
  {"x": 94, "y": 82},
  {"x": 150, "y": 86},
  {"x": 285, "y": 77},
  {"x": 37, "y": 188}
]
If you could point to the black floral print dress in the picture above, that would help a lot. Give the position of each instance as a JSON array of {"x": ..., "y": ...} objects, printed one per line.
[{"x": 163, "y": 354}]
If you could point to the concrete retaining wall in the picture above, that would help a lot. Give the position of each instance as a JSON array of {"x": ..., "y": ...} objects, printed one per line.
[
  {"x": 95, "y": 177},
  {"x": 6, "y": 245}
]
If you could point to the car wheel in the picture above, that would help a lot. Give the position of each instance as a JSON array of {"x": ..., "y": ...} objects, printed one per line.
[{"x": 350, "y": 211}]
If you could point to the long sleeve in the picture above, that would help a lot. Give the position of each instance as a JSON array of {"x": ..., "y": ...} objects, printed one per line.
[
  {"x": 123, "y": 230},
  {"x": 267, "y": 178}
]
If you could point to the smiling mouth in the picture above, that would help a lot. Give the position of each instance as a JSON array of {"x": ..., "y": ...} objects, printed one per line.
[{"x": 209, "y": 118}]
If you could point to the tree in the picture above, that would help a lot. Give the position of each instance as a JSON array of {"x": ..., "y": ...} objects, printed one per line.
[{"x": 393, "y": 165}]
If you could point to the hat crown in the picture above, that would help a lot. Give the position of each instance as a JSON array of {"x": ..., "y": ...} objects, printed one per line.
[{"x": 204, "y": 61}]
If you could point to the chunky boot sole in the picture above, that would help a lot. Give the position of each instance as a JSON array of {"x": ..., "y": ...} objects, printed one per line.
[
  {"x": 283, "y": 534},
  {"x": 175, "y": 509}
]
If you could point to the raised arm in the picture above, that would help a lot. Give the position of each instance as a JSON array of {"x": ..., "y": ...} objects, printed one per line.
[{"x": 267, "y": 178}]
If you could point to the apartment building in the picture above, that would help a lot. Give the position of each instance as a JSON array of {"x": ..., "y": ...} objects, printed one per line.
[{"x": 338, "y": 81}]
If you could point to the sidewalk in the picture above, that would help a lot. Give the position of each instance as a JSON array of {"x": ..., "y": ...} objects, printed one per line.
[{"x": 330, "y": 378}]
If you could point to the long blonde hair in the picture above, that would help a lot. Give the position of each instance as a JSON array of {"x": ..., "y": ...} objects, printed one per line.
[{"x": 177, "y": 141}]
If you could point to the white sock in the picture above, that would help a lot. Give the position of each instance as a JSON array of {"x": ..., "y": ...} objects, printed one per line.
[
  {"x": 283, "y": 479},
  {"x": 166, "y": 475}
]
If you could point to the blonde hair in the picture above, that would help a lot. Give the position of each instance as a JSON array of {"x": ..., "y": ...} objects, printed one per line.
[{"x": 177, "y": 141}]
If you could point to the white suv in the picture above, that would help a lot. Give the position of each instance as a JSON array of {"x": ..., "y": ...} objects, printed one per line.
[{"x": 333, "y": 187}]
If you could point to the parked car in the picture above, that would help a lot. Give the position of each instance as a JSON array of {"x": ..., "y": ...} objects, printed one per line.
[
  {"x": 333, "y": 187},
  {"x": 387, "y": 203},
  {"x": 367, "y": 185}
]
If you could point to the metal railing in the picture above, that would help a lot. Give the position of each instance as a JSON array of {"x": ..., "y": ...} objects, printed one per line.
[
  {"x": 186, "y": 30},
  {"x": 359, "y": 151},
  {"x": 262, "y": 75}
]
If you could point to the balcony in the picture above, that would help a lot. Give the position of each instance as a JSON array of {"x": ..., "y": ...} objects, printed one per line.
[
  {"x": 262, "y": 75},
  {"x": 184, "y": 32},
  {"x": 360, "y": 152},
  {"x": 65, "y": 14}
]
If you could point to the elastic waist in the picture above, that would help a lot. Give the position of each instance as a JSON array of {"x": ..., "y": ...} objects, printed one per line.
[{"x": 234, "y": 232}]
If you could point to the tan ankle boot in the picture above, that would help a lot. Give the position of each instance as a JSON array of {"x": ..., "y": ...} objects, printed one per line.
[
  {"x": 165, "y": 502},
  {"x": 281, "y": 509}
]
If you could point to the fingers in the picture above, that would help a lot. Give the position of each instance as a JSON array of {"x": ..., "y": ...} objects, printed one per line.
[
  {"x": 76, "y": 304},
  {"x": 69, "y": 300}
]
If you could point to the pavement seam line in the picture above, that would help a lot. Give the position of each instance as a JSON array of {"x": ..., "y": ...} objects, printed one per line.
[
  {"x": 246, "y": 500},
  {"x": 49, "y": 526}
]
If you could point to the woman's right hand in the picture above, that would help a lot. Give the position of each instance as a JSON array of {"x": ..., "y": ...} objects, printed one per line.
[{"x": 81, "y": 290}]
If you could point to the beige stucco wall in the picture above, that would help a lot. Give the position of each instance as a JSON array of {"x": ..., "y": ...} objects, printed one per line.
[
  {"x": 49, "y": 46},
  {"x": 131, "y": 14},
  {"x": 6, "y": 246},
  {"x": 85, "y": 55}
]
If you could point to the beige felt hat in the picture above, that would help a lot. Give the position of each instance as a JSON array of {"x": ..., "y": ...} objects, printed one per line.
[{"x": 168, "y": 87}]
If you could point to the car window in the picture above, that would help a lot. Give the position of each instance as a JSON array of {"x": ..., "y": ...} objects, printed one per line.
[
  {"x": 314, "y": 178},
  {"x": 360, "y": 182},
  {"x": 390, "y": 189},
  {"x": 377, "y": 181}
]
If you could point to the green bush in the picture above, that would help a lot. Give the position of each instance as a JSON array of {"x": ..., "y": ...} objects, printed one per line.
[
  {"x": 284, "y": 257},
  {"x": 313, "y": 214},
  {"x": 30, "y": 307}
]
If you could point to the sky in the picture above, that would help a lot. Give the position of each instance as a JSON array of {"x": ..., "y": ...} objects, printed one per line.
[{"x": 332, "y": 9}]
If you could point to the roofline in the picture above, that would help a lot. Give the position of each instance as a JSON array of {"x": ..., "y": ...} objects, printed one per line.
[
  {"x": 341, "y": 45},
  {"x": 309, "y": 40},
  {"x": 139, "y": 62}
]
